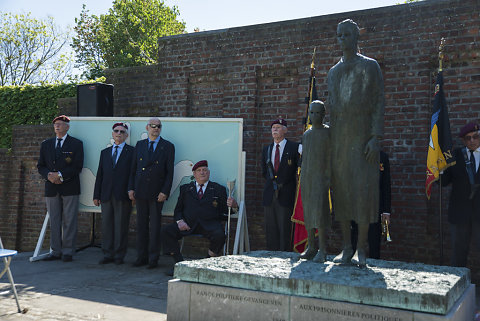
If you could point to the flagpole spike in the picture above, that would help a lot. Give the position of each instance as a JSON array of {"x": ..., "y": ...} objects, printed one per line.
[
  {"x": 440, "y": 54},
  {"x": 312, "y": 65}
]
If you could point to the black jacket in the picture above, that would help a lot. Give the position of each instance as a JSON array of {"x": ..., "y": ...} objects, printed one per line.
[
  {"x": 207, "y": 212},
  {"x": 113, "y": 180},
  {"x": 460, "y": 207},
  {"x": 149, "y": 177},
  {"x": 286, "y": 176},
  {"x": 70, "y": 164}
]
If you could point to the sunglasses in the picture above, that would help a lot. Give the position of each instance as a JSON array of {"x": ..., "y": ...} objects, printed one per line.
[
  {"x": 155, "y": 126},
  {"x": 119, "y": 131},
  {"x": 473, "y": 137}
]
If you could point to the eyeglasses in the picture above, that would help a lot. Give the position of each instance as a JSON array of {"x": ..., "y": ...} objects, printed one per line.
[
  {"x": 119, "y": 131},
  {"x": 473, "y": 137},
  {"x": 155, "y": 125}
]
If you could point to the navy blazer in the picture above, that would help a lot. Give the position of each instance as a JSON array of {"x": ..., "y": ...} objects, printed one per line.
[
  {"x": 70, "y": 164},
  {"x": 113, "y": 180},
  {"x": 460, "y": 207},
  {"x": 286, "y": 176},
  {"x": 206, "y": 212},
  {"x": 150, "y": 176}
]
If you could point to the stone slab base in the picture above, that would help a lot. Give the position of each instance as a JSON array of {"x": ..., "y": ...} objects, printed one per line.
[
  {"x": 199, "y": 302},
  {"x": 399, "y": 285}
]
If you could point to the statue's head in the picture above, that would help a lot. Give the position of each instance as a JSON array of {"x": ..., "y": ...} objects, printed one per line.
[
  {"x": 347, "y": 34},
  {"x": 316, "y": 113}
]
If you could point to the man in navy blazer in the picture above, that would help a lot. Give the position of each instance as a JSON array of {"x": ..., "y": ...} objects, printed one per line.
[
  {"x": 149, "y": 186},
  {"x": 111, "y": 192},
  {"x": 60, "y": 163},
  {"x": 200, "y": 209},
  {"x": 280, "y": 161},
  {"x": 464, "y": 205}
]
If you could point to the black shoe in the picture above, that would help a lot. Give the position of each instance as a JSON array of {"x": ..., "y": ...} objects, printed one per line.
[
  {"x": 67, "y": 258},
  {"x": 105, "y": 260},
  {"x": 118, "y": 261},
  {"x": 139, "y": 262},
  {"x": 51, "y": 257},
  {"x": 152, "y": 265}
]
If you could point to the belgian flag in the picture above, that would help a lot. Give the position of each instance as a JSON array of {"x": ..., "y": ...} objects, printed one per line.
[
  {"x": 439, "y": 155},
  {"x": 300, "y": 233}
]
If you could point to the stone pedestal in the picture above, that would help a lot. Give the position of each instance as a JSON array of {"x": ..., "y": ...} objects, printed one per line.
[{"x": 277, "y": 286}]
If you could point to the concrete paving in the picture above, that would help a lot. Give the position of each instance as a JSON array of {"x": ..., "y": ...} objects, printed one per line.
[{"x": 85, "y": 290}]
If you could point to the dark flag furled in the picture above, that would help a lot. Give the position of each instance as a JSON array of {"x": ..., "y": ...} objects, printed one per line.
[
  {"x": 440, "y": 146},
  {"x": 300, "y": 233}
]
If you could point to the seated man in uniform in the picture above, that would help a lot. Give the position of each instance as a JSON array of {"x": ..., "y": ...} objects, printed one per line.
[{"x": 200, "y": 209}]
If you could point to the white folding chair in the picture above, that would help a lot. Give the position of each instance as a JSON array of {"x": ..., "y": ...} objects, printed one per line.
[{"x": 6, "y": 256}]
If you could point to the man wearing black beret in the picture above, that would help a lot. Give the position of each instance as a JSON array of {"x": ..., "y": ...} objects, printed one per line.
[
  {"x": 464, "y": 205},
  {"x": 111, "y": 192},
  {"x": 60, "y": 163}
]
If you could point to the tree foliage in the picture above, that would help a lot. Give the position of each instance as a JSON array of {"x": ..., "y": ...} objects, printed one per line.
[
  {"x": 126, "y": 36},
  {"x": 30, "y": 50}
]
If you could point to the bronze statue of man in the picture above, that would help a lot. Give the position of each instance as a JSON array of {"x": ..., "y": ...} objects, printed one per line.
[{"x": 356, "y": 102}]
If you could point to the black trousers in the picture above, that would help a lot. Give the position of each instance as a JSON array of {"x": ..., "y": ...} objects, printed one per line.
[
  {"x": 374, "y": 238},
  {"x": 278, "y": 226},
  {"x": 461, "y": 238},
  {"x": 149, "y": 224},
  {"x": 171, "y": 234}
]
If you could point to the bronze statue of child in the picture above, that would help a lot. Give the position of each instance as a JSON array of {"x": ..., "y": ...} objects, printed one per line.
[{"x": 315, "y": 182}]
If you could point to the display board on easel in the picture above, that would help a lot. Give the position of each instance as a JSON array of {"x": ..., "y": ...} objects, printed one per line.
[{"x": 218, "y": 140}]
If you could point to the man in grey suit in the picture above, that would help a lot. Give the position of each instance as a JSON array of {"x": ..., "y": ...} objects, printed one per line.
[
  {"x": 111, "y": 192},
  {"x": 149, "y": 186},
  {"x": 60, "y": 163}
]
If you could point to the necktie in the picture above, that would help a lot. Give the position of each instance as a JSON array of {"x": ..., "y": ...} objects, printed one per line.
[
  {"x": 277, "y": 158},
  {"x": 150, "y": 149},
  {"x": 200, "y": 192},
  {"x": 114, "y": 156},
  {"x": 472, "y": 162},
  {"x": 58, "y": 148}
]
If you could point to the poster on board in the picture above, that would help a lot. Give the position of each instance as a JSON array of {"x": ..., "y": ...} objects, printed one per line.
[{"x": 218, "y": 140}]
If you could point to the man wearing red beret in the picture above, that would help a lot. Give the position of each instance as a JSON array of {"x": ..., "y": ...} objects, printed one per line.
[
  {"x": 200, "y": 209},
  {"x": 279, "y": 168},
  {"x": 111, "y": 192},
  {"x": 60, "y": 163},
  {"x": 464, "y": 205}
]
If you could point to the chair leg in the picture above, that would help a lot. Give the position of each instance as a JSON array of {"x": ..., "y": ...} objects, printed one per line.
[{"x": 10, "y": 277}]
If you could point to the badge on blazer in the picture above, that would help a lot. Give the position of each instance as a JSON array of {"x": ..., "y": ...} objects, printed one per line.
[
  {"x": 68, "y": 159},
  {"x": 215, "y": 203},
  {"x": 381, "y": 167},
  {"x": 289, "y": 162}
]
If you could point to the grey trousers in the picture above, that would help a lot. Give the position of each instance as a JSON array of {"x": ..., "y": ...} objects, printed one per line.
[
  {"x": 115, "y": 220},
  {"x": 63, "y": 212}
]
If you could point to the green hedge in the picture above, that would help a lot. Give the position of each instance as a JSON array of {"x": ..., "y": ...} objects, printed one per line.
[{"x": 30, "y": 105}]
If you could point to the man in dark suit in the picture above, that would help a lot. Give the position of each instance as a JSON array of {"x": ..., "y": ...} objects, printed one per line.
[
  {"x": 464, "y": 205},
  {"x": 200, "y": 209},
  {"x": 149, "y": 186},
  {"x": 111, "y": 192},
  {"x": 60, "y": 163},
  {"x": 375, "y": 229},
  {"x": 280, "y": 160}
]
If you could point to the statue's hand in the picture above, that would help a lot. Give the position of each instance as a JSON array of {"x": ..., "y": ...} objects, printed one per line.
[{"x": 371, "y": 150}]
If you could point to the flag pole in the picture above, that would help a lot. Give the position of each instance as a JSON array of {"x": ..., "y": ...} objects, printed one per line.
[{"x": 440, "y": 69}]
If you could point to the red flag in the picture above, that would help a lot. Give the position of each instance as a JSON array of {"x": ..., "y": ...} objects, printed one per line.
[{"x": 300, "y": 233}]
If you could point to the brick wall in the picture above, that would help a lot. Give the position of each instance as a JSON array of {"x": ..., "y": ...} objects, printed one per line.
[{"x": 261, "y": 72}]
